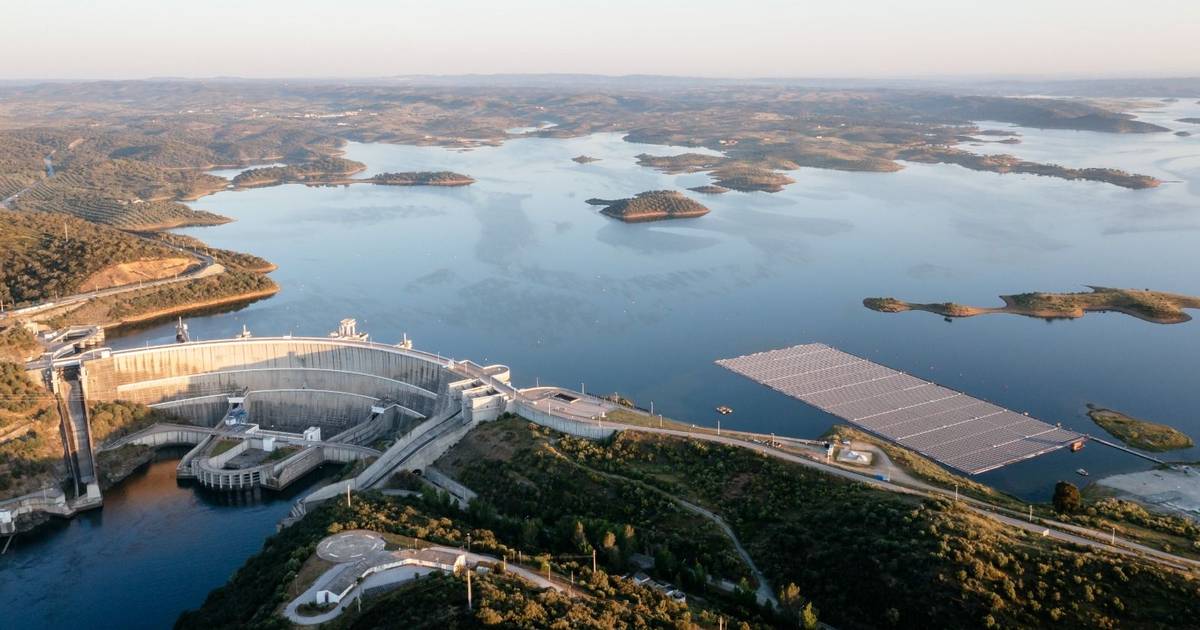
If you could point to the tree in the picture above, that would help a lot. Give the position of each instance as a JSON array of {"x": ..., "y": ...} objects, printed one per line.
[
  {"x": 808, "y": 617},
  {"x": 1066, "y": 498}
]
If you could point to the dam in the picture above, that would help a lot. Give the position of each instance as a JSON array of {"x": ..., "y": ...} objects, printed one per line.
[{"x": 264, "y": 411}]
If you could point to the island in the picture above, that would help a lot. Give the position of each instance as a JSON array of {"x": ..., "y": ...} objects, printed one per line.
[
  {"x": 1191, "y": 120},
  {"x": 320, "y": 171},
  {"x": 1152, "y": 306},
  {"x": 584, "y": 159},
  {"x": 709, "y": 189},
  {"x": 422, "y": 178},
  {"x": 1012, "y": 164},
  {"x": 653, "y": 205},
  {"x": 746, "y": 178},
  {"x": 1183, "y": 134},
  {"x": 1140, "y": 434}
]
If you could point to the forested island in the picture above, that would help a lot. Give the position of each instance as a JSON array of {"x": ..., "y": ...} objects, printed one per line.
[
  {"x": 653, "y": 205},
  {"x": 1152, "y": 306},
  {"x": 423, "y": 178},
  {"x": 323, "y": 170}
]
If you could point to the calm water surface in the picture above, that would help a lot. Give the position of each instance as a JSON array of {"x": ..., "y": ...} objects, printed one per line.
[
  {"x": 155, "y": 549},
  {"x": 518, "y": 269}
]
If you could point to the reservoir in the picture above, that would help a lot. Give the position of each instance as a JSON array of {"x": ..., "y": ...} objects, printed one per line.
[{"x": 518, "y": 269}]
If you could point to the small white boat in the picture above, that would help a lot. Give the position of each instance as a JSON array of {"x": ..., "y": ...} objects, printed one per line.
[{"x": 1082, "y": 472}]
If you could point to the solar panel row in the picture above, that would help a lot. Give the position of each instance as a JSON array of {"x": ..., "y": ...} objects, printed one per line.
[{"x": 955, "y": 429}]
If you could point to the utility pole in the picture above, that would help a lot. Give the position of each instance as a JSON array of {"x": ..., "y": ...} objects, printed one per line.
[
  {"x": 651, "y": 407},
  {"x": 347, "y": 494},
  {"x": 718, "y": 427},
  {"x": 583, "y": 388},
  {"x": 1114, "y": 536},
  {"x": 1030, "y": 512},
  {"x": 956, "y": 493},
  {"x": 469, "y": 590},
  {"x": 593, "y": 559}
]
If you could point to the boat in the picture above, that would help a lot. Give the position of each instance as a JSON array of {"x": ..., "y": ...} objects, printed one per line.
[
  {"x": 724, "y": 410},
  {"x": 1082, "y": 472}
]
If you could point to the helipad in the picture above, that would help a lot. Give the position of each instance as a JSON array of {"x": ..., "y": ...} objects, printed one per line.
[
  {"x": 349, "y": 546},
  {"x": 951, "y": 427}
]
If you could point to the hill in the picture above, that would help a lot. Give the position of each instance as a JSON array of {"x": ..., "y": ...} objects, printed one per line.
[{"x": 43, "y": 255}]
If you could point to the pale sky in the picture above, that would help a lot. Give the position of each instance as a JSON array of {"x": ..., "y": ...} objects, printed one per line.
[{"x": 732, "y": 38}]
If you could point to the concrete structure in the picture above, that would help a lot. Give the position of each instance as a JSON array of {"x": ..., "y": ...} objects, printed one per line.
[{"x": 292, "y": 390}]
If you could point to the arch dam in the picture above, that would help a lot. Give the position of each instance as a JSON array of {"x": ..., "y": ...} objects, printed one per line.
[{"x": 265, "y": 411}]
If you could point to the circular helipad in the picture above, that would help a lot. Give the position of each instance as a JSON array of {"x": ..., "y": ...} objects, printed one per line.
[{"x": 349, "y": 546}]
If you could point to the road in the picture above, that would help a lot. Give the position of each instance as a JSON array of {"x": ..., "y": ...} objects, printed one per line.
[
  {"x": 1048, "y": 527},
  {"x": 764, "y": 593},
  {"x": 209, "y": 267},
  {"x": 49, "y": 173}
]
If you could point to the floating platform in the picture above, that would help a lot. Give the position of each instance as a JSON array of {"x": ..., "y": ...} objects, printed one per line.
[{"x": 948, "y": 426}]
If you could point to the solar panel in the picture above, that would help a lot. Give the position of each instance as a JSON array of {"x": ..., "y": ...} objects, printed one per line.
[{"x": 953, "y": 428}]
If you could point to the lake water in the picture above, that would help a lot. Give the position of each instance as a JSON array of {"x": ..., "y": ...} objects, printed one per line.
[
  {"x": 156, "y": 548},
  {"x": 518, "y": 269}
]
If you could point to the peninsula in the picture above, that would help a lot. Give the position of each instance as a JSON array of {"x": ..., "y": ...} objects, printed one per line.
[
  {"x": 1152, "y": 306},
  {"x": 1140, "y": 434},
  {"x": 654, "y": 205}
]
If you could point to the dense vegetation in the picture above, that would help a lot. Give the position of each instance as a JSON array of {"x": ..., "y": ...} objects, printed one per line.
[
  {"x": 44, "y": 255},
  {"x": 927, "y": 564},
  {"x": 652, "y": 205},
  {"x": 111, "y": 420},
  {"x": 228, "y": 287},
  {"x": 315, "y": 171},
  {"x": 30, "y": 449},
  {"x": 531, "y": 493},
  {"x": 509, "y": 602},
  {"x": 422, "y": 178},
  {"x": 255, "y": 592}
]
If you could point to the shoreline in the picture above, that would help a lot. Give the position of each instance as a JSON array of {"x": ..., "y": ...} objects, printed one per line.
[
  {"x": 192, "y": 306},
  {"x": 1011, "y": 307}
]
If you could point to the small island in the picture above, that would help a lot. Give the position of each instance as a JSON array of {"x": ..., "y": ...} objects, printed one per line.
[
  {"x": 709, "y": 189},
  {"x": 1183, "y": 134},
  {"x": 422, "y": 178},
  {"x": 584, "y": 159},
  {"x": 654, "y": 205},
  {"x": 745, "y": 178},
  {"x": 1137, "y": 433},
  {"x": 1152, "y": 306},
  {"x": 1190, "y": 120},
  {"x": 321, "y": 171}
]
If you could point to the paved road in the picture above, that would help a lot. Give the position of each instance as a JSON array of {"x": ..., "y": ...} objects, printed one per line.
[
  {"x": 208, "y": 267},
  {"x": 1052, "y": 529},
  {"x": 396, "y": 575}
]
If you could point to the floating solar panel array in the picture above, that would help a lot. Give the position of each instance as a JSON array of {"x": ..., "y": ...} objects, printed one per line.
[{"x": 951, "y": 427}]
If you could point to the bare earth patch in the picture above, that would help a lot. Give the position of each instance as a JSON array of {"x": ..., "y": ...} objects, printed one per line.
[{"x": 137, "y": 271}]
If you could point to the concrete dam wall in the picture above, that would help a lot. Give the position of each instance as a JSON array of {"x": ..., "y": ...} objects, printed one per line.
[{"x": 289, "y": 383}]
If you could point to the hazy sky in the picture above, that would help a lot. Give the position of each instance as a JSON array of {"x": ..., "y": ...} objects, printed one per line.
[{"x": 872, "y": 38}]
